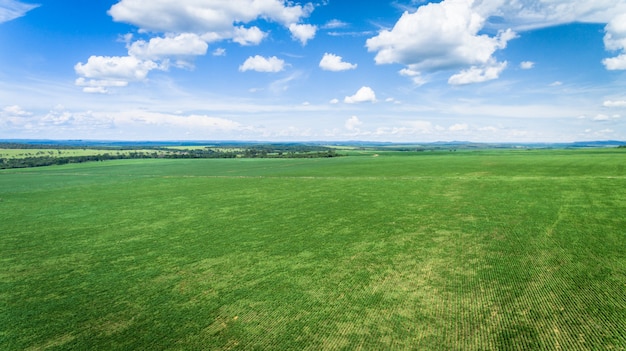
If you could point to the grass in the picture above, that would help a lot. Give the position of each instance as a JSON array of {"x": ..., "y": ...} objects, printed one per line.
[{"x": 507, "y": 250}]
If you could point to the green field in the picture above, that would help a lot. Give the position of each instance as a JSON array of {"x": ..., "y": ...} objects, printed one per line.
[
  {"x": 489, "y": 250},
  {"x": 23, "y": 153}
]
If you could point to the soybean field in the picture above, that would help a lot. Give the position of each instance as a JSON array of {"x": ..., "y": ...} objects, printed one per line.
[{"x": 472, "y": 250}]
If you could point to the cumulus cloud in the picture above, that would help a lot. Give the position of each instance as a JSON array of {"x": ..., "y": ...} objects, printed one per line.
[
  {"x": 415, "y": 76},
  {"x": 302, "y": 32},
  {"x": 248, "y": 36},
  {"x": 261, "y": 64},
  {"x": 522, "y": 15},
  {"x": 185, "y": 44},
  {"x": 614, "y": 103},
  {"x": 106, "y": 71},
  {"x": 476, "y": 74},
  {"x": 102, "y": 72},
  {"x": 365, "y": 94},
  {"x": 187, "y": 28},
  {"x": 56, "y": 121},
  {"x": 14, "y": 110},
  {"x": 615, "y": 63},
  {"x": 440, "y": 36},
  {"x": 531, "y": 14},
  {"x": 615, "y": 39},
  {"x": 450, "y": 35},
  {"x": 14, "y": 117},
  {"x": 215, "y": 18},
  {"x": 353, "y": 123},
  {"x": 332, "y": 62},
  {"x": 203, "y": 16},
  {"x": 11, "y": 9}
]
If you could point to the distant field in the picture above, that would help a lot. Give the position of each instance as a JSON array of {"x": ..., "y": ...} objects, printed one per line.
[
  {"x": 488, "y": 250},
  {"x": 23, "y": 153}
]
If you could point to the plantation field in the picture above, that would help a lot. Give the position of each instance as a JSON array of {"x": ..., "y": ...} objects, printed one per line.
[
  {"x": 23, "y": 153},
  {"x": 489, "y": 250}
]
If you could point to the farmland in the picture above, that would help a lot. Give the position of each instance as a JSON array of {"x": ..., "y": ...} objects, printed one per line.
[{"x": 472, "y": 250}]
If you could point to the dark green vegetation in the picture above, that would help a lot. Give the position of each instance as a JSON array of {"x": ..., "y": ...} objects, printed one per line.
[
  {"x": 23, "y": 155},
  {"x": 490, "y": 250}
]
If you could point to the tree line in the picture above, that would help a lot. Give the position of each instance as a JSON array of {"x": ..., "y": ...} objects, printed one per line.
[{"x": 254, "y": 151}]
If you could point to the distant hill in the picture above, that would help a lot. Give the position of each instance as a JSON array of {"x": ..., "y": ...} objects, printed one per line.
[{"x": 364, "y": 144}]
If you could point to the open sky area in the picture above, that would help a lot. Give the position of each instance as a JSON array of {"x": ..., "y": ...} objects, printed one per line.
[{"x": 326, "y": 70}]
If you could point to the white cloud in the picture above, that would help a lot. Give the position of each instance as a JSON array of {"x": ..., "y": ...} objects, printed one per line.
[
  {"x": 56, "y": 121},
  {"x": 602, "y": 117},
  {"x": 332, "y": 62},
  {"x": 615, "y": 63},
  {"x": 185, "y": 44},
  {"x": 478, "y": 74},
  {"x": 334, "y": 24},
  {"x": 215, "y": 20},
  {"x": 440, "y": 36},
  {"x": 95, "y": 90},
  {"x": 117, "y": 71},
  {"x": 302, "y": 32},
  {"x": 451, "y": 34},
  {"x": 262, "y": 64},
  {"x": 143, "y": 57},
  {"x": 14, "y": 117},
  {"x": 415, "y": 76},
  {"x": 99, "y": 86},
  {"x": 14, "y": 110},
  {"x": 219, "y": 52},
  {"x": 334, "y": 101},
  {"x": 614, "y": 103},
  {"x": 365, "y": 94},
  {"x": 351, "y": 34},
  {"x": 248, "y": 36},
  {"x": 177, "y": 121},
  {"x": 353, "y": 123},
  {"x": 458, "y": 127},
  {"x": 532, "y": 14},
  {"x": 200, "y": 17},
  {"x": 189, "y": 25},
  {"x": 11, "y": 9},
  {"x": 615, "y": 40},
  {"x": 556, "y": 83}
]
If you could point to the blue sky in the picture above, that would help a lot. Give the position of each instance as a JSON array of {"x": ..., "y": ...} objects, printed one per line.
[{"x": 401, "y": 71}]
